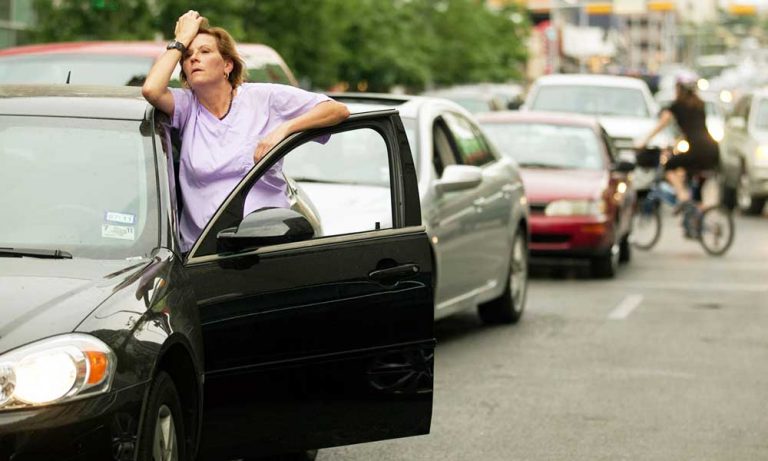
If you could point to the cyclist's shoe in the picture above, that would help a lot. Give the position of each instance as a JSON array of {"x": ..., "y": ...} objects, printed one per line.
[{"x": 691, "y": 221}]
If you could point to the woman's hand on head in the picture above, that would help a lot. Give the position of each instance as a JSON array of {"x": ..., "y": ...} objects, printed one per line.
[
  {"x": 187, "y": 26},
  {"x": 269, "y": 141}
]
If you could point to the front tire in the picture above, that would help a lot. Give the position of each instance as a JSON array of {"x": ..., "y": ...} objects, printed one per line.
[
  {"x": 162, "y": 436},
  {"x": 606, "y": 266},
  {"x": 748, "y": 204},
  {"x": 508, "y": 308}
]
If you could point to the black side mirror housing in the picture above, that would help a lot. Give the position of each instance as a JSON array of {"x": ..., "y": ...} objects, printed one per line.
[
  {"x": 265, "y": 226},
  {"x": 623, "y": 166}
]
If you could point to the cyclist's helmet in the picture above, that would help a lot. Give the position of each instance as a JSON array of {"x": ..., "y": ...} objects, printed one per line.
[{"x": 687, "y": 80}]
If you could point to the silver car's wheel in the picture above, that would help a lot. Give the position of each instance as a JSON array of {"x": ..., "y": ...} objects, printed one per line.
[
  {"x": 508, "y": 308},
  {"x": 165, "y": 445},
  {"x": 743, "y": 196}
]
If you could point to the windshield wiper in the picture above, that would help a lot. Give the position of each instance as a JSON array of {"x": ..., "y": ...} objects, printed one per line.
[{"x": 34, "y": 253}]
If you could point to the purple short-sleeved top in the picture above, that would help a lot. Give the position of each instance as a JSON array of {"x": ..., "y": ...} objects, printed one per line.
[{"x": 216, "y": 154}]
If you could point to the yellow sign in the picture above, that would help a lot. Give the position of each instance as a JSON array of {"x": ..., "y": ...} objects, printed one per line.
[{"x": 742, "y": 9}]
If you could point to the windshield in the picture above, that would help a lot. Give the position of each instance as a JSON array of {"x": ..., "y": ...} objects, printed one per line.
[
  {"x": 547, "y": 146},
  {"x": 80, "y": 185},
  {"x": 82, "y": 69},
  {"x": 593, "y": 100}
]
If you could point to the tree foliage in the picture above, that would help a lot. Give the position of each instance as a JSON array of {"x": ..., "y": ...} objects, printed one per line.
[{"x": 368, "y": 44}]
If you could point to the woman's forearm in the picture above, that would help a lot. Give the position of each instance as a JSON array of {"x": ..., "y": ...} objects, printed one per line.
[
  {"x": 159, "y": 75},
  {"x": 326, "y": 113}
]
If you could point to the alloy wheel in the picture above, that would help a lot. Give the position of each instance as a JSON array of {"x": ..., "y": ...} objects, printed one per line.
[{"x": 165, "y": 444}]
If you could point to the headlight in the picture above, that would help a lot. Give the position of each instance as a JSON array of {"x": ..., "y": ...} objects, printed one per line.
[
  {"x": 761, "y": 156},
  {"x": 682, "y": 146},
  {"x": 55, "y": 370},
  {"x": 726, "y": 96},
  {"x": 575, "y": 208},
  {"x": 716, "y": 131}
]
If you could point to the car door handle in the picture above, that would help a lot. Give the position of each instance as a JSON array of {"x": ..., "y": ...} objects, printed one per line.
[{"x": 391, "y": 273}]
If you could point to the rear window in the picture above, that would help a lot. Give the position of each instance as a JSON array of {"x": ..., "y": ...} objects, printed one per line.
[
  {"x": 539, "y": 145},
  {"x": 81, "y": 69},
  {"x": 592, "y": 100}
]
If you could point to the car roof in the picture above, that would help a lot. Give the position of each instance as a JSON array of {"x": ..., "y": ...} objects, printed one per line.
[
  {"x": 407, "y": 105},
  {"x": 552, "y": 118},
  {"x": 134, "y": 48},
  {"x": 127, "y": 48},
  {"x": 590, "y": 79},
  {"x": 113, "y": 102}
]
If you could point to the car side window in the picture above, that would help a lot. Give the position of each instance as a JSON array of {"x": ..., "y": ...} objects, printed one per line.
[
  {"x": 444, "y": 153},
  {"x": 341, "y": 184},
  {"x": 473, "y": 150}
]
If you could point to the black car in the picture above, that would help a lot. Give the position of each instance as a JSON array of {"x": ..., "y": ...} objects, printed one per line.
[{"x": 269, "y": 336}]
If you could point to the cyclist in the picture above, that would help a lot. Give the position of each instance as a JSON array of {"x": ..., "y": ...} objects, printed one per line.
[{"x": 703, "y": 153}]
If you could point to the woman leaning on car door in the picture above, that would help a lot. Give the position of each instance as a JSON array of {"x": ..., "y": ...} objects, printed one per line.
[{"x": 226, "y": 125}]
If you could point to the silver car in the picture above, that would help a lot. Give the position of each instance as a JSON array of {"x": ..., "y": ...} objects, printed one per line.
[
  {"x": 744, "y": 151},
  {"x": 472, "y": 202},
  {"x": 623, "y": 105}
]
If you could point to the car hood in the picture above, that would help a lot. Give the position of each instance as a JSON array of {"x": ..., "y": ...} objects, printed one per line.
[
  {"x": 44, "y": 297},
  {"x": 627, "y": 127},
  {"x": 546, "y": 185}
]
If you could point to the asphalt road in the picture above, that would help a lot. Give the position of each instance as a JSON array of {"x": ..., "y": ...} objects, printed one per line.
[{"x": 669, "y": 361}]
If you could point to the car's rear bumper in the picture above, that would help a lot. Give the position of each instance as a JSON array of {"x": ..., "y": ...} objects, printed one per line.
[
  {"x": 570, "y": 237},
  {"x": 100, "y": 428}
]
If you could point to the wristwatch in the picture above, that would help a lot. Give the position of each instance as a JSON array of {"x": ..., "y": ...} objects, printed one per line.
[{"x": 176, "y": 45}]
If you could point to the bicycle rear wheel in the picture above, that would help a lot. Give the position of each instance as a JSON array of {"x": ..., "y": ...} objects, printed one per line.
[
  {"x": 646, "y": 225},
  {"x": 717, "y": 230}
]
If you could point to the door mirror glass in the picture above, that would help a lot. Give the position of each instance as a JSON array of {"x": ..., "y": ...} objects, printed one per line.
[
  {"x": 459, "y": 177},
  {"x": 267, "y": 226}
]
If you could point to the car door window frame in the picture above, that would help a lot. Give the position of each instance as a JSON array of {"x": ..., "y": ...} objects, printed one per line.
[
  {"x": 406, "y": 210},
  {"x": 459, "y": 118}
]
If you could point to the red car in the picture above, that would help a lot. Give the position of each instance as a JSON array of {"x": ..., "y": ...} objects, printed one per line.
[
  {"x": 118, "y": 63},
  {"x": 579, "y": 193}
]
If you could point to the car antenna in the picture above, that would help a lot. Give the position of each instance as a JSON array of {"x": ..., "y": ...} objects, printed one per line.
[{"x": 69, "y": 74}]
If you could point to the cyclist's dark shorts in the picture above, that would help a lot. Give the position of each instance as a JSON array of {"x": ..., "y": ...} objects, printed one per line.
[{"x": 701, "y": 156}]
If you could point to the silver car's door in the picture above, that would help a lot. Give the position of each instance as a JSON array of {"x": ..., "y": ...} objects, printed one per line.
[
  {"x": 447, "y": 218},
  {"x": 491, "y": 229}
]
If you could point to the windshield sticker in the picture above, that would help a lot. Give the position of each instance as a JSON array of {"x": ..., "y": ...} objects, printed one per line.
[
  {"x": 118, "y": 232},
  {"x": 121, "y": 218}
]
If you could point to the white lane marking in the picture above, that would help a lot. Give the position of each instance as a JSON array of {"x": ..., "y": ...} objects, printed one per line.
[
  {"x": 694, "y": 286},
  {"x": 625, "y": 307}
]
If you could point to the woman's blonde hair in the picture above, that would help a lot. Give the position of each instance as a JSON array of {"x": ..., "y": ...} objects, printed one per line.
[{"x": 228, "y": 50}]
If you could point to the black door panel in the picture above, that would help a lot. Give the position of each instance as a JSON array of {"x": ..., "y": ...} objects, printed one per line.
[{"x": 324, "y": 342}]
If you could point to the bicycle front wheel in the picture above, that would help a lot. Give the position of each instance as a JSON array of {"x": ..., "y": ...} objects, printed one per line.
[
  {"x": 646, "y": 225},
  {"x": 717, "y": 229}
]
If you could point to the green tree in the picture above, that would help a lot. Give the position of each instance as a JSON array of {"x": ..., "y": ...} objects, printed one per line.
[{"x": 93, "y": 20}]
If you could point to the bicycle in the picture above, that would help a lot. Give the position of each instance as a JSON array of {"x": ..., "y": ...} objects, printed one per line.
[{"x": 712, "y": 226}]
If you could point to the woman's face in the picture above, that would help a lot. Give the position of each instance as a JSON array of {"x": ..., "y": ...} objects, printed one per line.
[{"x": 203, "y": 64}]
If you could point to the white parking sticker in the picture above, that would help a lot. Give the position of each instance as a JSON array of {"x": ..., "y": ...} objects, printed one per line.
[
  {"x": 122, "y": 218},
  {"x": 118, "y": 232}
]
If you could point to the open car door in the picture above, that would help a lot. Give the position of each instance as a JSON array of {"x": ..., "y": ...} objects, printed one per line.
[{"x": 315, "y": 340}]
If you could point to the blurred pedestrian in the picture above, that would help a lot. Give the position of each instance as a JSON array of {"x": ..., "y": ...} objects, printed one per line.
[{"x": 226, "y": 125}]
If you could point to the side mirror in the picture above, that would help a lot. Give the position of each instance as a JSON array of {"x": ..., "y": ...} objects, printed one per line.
[
  {"x": 459, "y": 177},
  {"x": 266, "y": 226},
  {"x": 623, "y": 166},
  {"x": 737, "y": 123}
]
